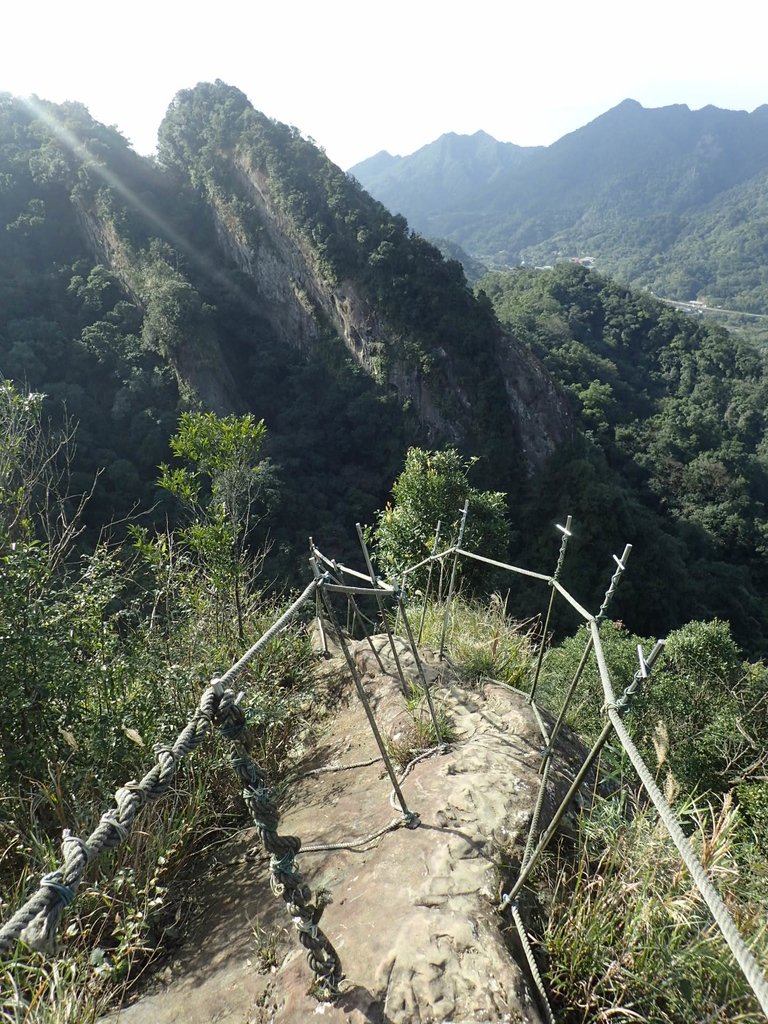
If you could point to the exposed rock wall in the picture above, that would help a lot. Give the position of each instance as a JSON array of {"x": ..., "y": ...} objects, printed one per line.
[{"x": 304, "y": 308}]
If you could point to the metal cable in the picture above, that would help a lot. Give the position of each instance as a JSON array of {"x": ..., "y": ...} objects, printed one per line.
[
  {"x": 354, "y": 844},
  {"x": 532, "y": 965},
  {"x": 338, "y": 767},
  {"x": 731, "y": 934}
]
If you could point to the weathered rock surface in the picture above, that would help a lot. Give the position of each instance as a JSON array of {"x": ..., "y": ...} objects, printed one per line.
[{"x": 414, "y": 914}]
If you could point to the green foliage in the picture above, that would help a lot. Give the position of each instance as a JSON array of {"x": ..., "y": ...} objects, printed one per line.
[
  {"x": 104, "y": 655},
  {"x": 701, "y": 720},
  {"x": 669, "y": 199},
  {"x": 222, "y": 456},
  {"x": 627, "y": 935},
  {"x": 432, "y": 488},
  {"x": 672, "y": 454},
  {"x": 712, "y": 707}
]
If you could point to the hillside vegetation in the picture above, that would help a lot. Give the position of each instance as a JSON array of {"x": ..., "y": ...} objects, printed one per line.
[
  {"x": 243, "y": 273},
  {"x": 670, "y": 199},
  {"x": 673, "y": 450}
]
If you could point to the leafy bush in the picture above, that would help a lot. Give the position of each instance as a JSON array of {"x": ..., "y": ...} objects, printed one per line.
[{"x": 432, "y": 488}]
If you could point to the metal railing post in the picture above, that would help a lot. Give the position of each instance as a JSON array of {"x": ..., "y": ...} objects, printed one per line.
[
  {"x": 453, "y": 579},
  {"x": 369, "y": 565},
  {"x": 566, "y": 531},
  {"x": 429, "y": 581}
]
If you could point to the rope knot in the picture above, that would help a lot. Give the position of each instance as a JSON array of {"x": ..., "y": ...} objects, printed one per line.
[
  {"x": 282, "y": 865},
  {"x": 110, "y": 818},
  {"x": 162, "y": 750},
  {"x": 75, "y": 844},
  {"x": 54, "y": 881},
  {"x": 132, "y": 789}
]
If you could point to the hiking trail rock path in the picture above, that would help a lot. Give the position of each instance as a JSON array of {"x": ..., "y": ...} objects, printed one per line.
[{"x": 413, "y": 916}]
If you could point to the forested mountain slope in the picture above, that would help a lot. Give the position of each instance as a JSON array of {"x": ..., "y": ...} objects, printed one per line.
[
  {"x": 244, "y": 272},
  {"x": 656, "y": 196},
  {"x": 673, "y": 450}
]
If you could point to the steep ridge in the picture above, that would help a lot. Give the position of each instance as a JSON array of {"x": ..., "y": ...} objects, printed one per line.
[
  {"x": 413, "y": 912},
  {"x": 328, "y": 261},
  {"x": 248, "y": 274}
]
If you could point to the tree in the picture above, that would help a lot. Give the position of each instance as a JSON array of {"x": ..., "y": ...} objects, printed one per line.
[
  {"x": 222, "y": 485},
  {"x": 432, "y": 487}
]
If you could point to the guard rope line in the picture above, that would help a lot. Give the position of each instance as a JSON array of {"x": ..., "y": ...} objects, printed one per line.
[
  {"x": 614, "y": 709},
  {"x": 339, "y": 767},
  {"x": 286, "y": 880},
  {"x": 276, "y": 627},
  {"x": 355, "y": 844},
  {"x": 725, "y": 922},
  {"x": 532, "y": 965},
  {"x": 36, "y": 921}
]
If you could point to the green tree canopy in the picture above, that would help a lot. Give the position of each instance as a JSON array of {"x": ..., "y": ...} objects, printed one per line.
[{"x": 432, "y": 488}]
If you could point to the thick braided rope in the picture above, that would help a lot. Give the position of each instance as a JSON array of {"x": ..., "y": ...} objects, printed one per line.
[
  {"x": 276, "y": 627},
  {"x": 286, "y": 880},
  {"x": 36, "y": 921},
  {"x": 725, "y": 922}
]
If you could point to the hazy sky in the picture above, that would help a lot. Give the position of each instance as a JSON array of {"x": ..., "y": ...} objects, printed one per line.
[{"x": 360, "y": 76}]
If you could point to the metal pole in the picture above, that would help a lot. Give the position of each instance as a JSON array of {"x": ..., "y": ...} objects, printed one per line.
[
  {"x": 614, "y": 711},
  {"x": 420, "y": 667},
  {"x": 566, "y": 531},
  {"x": 546, "y": 837},
  {"x": 568, "y": 696},
  {"x": 319, "y": 617},
  {"x": 380, "y": 603},
  {"x": 621, "y": 564},
  {"x": 429, "y": 581},
  {"x": 453, "y": 579},
  {"x": 409, "y": 815},
  {"x": 357, "y": 617}
]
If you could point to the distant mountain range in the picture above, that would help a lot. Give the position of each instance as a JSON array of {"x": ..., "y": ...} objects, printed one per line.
[{"x": 669, "y": 198}]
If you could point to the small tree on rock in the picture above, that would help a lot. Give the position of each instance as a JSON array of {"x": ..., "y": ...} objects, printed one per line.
[
  {"x": 432, "y": 487},
  {"x": 222, "y": 485}
]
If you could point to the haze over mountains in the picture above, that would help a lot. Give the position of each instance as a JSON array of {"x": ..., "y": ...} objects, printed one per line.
[{"x": 672, "y": 199}]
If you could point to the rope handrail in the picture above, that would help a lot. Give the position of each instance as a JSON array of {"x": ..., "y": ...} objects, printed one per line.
[
  {"x": 587, "y": 616},
  {"x": 717, "y": 908},
  {"x": 613, "y": 709},
  {"x": 35, "y": 922},
  {"x": 276, "y": 627},
  {"x": 504, "y": 565}
]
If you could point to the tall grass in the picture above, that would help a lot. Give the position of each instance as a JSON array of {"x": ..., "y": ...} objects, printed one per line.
[
  {"x": 627, "y": 936},
  {"x": 131, "y": 680},
  {"x": 482, "y": 641}
]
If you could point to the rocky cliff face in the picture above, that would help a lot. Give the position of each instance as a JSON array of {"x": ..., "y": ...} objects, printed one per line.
[
  {"x": 306, "y": 309},
  {"x": 251, "y": 239},
  {"x": 199, "y": 363}
]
